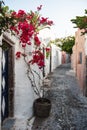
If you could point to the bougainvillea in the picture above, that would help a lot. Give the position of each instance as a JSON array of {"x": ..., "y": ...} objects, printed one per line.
[
  {"x": 27, "y": 27},
  {"x": 48, "y": 50}
]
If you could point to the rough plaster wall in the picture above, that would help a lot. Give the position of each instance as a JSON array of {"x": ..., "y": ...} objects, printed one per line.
[
  {"x": 79, "y": 47},
  {"x": 24, "y": 94},
  {"x": 81, "y": 67}
]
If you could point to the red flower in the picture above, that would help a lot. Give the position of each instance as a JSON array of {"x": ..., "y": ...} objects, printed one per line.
[
  {"x": 35, "y": 58},
  {"x": 27, "y": 30},
  {"x": 38, "y": 58},
  {"x": 41, "y": 55},
  {"x": 18, "y": 54},
  {"x": 21, "y": 13},
  {"x": 23, "y": 25},
  {"x": 43, "y": 20},
  {"x": 29, "y": 43},
  {"x": 23, "y": 44},
  {"x": 14, "y": 14},
  {"x": 26, "y": 26},
  {"x": 39, "y": 8},
  {"x": 41, "y": 64},
  {"x": 50, "y": 22},
  {"x": 37, "y": 41},
  {"x": 29, "y": 16},
  {"x": 47, "y": 49},
  {"x": 24, "y": 38}
]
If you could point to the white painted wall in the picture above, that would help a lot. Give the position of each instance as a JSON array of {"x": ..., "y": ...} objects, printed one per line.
[
  {"x": 56, "y": 56},
  {"x": 24, "y": 94},
  {"x": 47, "y": 35},
  {"x": 55, "y": 59},
  {"x": 47, "y": 66}
]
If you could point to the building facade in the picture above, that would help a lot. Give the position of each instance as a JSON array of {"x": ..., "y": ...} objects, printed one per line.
[
  {"x": 17, "y": 95},
  {"x": 79, "y": 59}
]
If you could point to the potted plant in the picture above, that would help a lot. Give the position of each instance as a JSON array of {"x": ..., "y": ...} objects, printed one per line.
[{"x": 26, "y": 26}]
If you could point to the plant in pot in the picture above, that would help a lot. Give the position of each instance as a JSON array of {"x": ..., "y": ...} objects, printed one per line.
[{"x": 26, "y": 26}]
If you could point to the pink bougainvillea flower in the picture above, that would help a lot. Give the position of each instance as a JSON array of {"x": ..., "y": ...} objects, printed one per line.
[
  {"x": 41, "y": 56},
  {"x": 24, "y": 45},
  {"x": 24, "y": 38},
  {"x": 21, "y": 13},
  {"x": 41, "y": 64},
  {"x": 27, "y": 30},
  {"x": 13, "y": 14},
  {"x": 38, "y": 58},
  {"x": 23, "y": 25},
  {"x": 39, "y": 8},
  {"x": 27, "y": 26},
  {"x": 50, "y": 22},
  {"x": 29, "y": 43},
  {"x": 37, "y": 41},
  {"x": 47, "y": 49},
  {"x": 43, "y": 20},
  {"x": 18, "y": 54}
]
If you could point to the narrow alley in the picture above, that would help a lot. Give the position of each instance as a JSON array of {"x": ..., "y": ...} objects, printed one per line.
[{"x": 69, "y": 106}]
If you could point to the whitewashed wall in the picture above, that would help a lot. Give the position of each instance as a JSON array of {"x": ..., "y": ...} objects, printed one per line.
[
  {"x": 24, "y": 95},
  {"x": 23, "y": 92},
  {"x": 47, "y": 66},
  {"x": 56, "y": 56},
  {"x": 55, "y": 59}
]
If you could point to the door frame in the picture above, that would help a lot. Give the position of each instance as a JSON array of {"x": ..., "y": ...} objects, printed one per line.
[{"x": 11, "y": 44}]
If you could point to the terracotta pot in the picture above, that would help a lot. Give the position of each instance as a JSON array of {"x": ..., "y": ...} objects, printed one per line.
[{"x": 42, "y": 107}]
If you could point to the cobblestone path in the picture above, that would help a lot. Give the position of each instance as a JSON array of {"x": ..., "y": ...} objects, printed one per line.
[{"x": 69, "y": 106}]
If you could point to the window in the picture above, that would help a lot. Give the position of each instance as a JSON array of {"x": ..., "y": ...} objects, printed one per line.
[{"x": 80, "y": 58}]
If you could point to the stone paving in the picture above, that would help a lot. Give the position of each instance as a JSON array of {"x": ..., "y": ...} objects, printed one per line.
[{"x": 69, "y": 106}]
